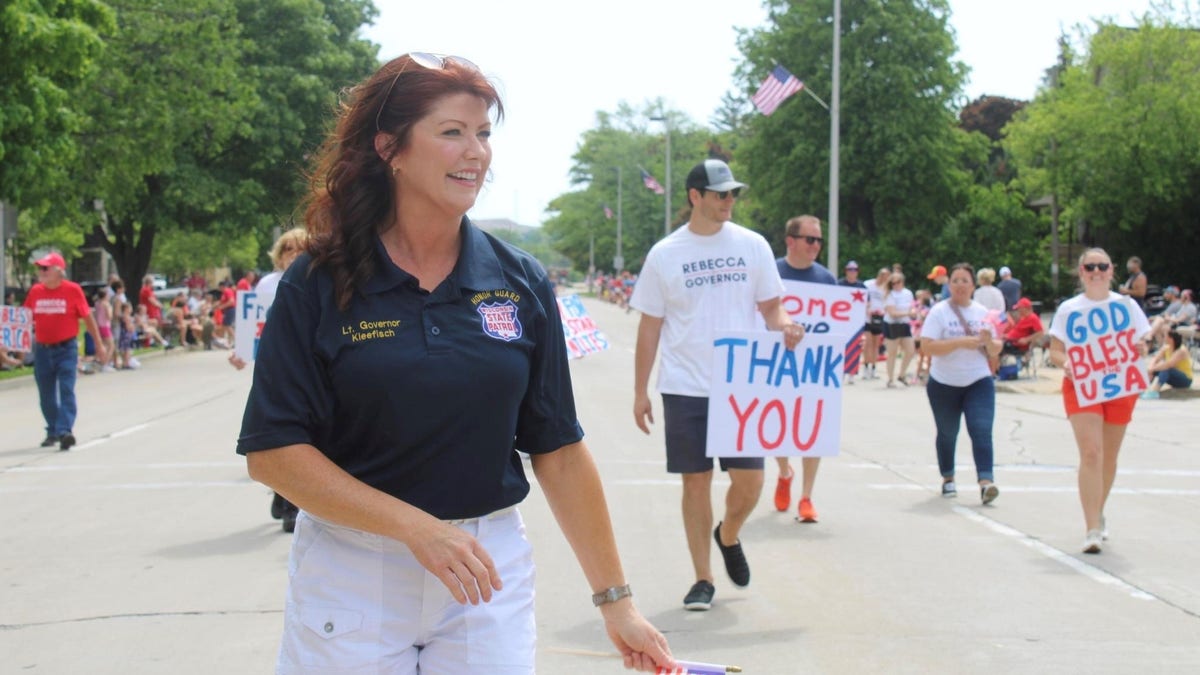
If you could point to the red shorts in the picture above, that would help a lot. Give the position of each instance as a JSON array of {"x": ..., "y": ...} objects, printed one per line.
[{"x": 1116, "y": 411}]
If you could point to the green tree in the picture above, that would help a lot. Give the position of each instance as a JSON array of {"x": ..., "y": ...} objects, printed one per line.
[
  {"x": 47, "y": 47},
  {"x": 296, "y": 75},
  {"x": 627, "y": 139},
  {"x": 901, "y": 174},
  {"x": 1118, "y": 142}
]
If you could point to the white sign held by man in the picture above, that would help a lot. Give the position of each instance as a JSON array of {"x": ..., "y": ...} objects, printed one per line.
[{"x": 768, "y": 401}]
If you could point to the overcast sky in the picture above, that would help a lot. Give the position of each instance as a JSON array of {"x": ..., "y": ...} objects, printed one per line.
[{"x": 557, "y": 63}]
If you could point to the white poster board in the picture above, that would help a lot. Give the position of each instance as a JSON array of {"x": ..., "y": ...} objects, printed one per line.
[
  {"x": 16, "y": 329},
  {"x": 1105, "y": 362},
  {"x": 768, "y": 401},
  {"x": 825, "y": 308},
  {"x": 249, "y": 318},
  {"x": 582, "y": 334}
]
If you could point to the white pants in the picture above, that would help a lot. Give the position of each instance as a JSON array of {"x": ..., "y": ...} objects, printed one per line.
[{"x": 360, "y": 603}]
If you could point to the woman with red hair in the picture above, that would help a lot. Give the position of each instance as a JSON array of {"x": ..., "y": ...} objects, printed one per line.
[{"x": 407, "y": 358}]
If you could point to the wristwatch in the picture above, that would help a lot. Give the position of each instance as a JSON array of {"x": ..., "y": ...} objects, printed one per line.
[{"x": 611, "y": 595}]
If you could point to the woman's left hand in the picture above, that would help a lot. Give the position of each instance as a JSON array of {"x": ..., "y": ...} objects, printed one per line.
[{"x": 641, "y": 644}]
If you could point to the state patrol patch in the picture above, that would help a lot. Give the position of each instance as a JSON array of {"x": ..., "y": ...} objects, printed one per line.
[{"x": 500, "y": 320}]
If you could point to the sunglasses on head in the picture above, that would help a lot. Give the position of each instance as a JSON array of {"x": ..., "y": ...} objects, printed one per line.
[
  {"x": 425, "y": 60},
  {"x": 1092, "y": 267}
]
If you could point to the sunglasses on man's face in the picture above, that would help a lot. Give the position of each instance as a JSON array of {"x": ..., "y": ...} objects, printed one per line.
[
  {"x": 724, "y": 194},
  {"x": 425, "y": 60},
  {"x": 42, "y": 268},
  {"x": 1092, "y": 267},
  {"x": 810, "y": 240}
]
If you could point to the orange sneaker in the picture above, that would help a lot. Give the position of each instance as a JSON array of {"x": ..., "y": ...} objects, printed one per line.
[
  {"x": 807, "y": 513},
  {"x": 783, "y": 493}
]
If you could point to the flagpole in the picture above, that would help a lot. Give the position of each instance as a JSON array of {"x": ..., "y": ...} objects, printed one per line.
[
  {"x": 816, "y": 98},
  {"x": 834, "y": 133},
  {"x": 619, "y": 260}
]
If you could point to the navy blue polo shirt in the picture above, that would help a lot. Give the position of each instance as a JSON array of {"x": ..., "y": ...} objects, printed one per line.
[{"x": 426, "y": 396}]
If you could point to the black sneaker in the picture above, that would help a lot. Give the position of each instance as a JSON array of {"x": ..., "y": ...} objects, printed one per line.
[
  {"x": 289, "y": 516},
  {"x": 735, "y": 560},
  {"x": 949, "y": 489},
  {"x": 66, "y": 441},
  {"x": 277, "y": 506},
  {"x": 699, "y": 599},
  {"x": 988, "y": 493},
  {"x": 50, "y": 441}
]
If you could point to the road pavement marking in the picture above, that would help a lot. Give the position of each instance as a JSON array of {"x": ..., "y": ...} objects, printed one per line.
[
  {"x": 1090, "y": 571},
  {"x": 105, "y": 467},
  {"x": 130, "y": 486},
  {"x": 116, "y": 434},
  {"x": 1009, "y": 487}
]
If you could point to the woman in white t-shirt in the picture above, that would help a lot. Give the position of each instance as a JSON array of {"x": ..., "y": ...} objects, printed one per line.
[
  {"x": 899, "y": 308},
  {"x": 1099, "y": 428},
  {"x": 958, "y": 337}
]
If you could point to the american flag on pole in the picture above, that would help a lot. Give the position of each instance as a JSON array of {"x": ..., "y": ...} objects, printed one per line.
[
  {"x": 649, "y": 182},
  {"x": 779, "y": 85},
  {"x": 692, "y": 668},
  {"x": 607, "y": 212}
]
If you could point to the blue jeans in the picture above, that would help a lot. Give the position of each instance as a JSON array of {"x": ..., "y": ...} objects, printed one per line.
[
  {"x": 1173, "y": 377},
  {"x": 976, "y": 402},
  {"x": 54, "y": 370}
]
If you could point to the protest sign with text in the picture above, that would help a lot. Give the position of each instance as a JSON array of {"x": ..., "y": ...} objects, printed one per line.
[
  {"x": 16, "y": 328},
  {"x": 768, "y": 401},
  {"x": 1105, "y": 362},
  {"x": 251, "y": 314},
  {"x": 825, "y": 308},
  {"x": 582, "y": 335}
]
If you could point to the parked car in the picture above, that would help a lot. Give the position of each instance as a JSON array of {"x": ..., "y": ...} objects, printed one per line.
[{"x": 159, "y": 282}]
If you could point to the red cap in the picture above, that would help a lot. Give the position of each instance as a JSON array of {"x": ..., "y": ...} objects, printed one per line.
[
  {"x": 51, "y": 259},
  {"x": 937, "y": 271},
  {"x": 1023, "y": 303}
]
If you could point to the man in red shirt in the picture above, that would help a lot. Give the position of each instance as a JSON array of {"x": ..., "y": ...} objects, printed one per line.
[
  {"x": 58, "y": 305},
  {"x": 153, "y": 305},
  {"x": 1027, "y": 328}
]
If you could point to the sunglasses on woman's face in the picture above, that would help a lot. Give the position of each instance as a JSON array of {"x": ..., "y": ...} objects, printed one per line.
[
  {"x": 425, "y": 60},
  {"x": 1092, "y": 267}
]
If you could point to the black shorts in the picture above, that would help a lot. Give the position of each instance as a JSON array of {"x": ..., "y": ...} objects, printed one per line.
[
  {"x": 227, "y": 316},
  {"x": 895, "y": 331},
  {"x": 875, "y": 325},
  {"x": 685, "y": 420}
]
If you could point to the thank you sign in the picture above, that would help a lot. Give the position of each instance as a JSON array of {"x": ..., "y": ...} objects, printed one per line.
[{"x": 768, "y": 401}]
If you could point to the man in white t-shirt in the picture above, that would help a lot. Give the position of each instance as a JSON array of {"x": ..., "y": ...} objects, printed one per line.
[{"x": 708, "y": 276}]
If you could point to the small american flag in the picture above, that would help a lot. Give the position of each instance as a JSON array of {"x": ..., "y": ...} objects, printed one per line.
[
  {"x": 779, "y": 85},
  {"x": 692, "y": 668},
  {"x": 649, "y": 182},
  {"x": 607, "y": 212}
]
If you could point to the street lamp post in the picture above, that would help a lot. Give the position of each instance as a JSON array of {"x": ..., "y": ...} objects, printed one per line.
[
  {"x": 619, "y": 259},
  {"x": 667, "y": 216}
]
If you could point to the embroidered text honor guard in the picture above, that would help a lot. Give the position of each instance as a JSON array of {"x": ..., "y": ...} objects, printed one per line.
[{"x": 500, "y": 320}]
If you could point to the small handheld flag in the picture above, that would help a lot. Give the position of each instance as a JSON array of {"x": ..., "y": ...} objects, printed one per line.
[
  {"x": 694, "y": 668},
  {"x": 607, "y": 212},
  {"x": 649, "y": 182},
  {"x": 774, "y": 90}
]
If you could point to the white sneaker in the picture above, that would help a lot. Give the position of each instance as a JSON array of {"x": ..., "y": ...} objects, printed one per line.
[
  {"x": 850, "y": 379},
  {"x": 1103, "y": 528},
  {"x": 1091, "y": 543},
  {"x": 108, "y": 369},
  {"x": 134, "y": 364}
]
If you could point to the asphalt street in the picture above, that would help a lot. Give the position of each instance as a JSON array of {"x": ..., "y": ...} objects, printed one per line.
[{"x": 146, "y": 549}]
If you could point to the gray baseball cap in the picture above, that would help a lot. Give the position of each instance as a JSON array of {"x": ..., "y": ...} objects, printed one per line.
[{"x": 712, "y": 174}]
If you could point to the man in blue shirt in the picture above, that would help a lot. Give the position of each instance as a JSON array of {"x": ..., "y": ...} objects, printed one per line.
[{"x": 804, "y": 242}]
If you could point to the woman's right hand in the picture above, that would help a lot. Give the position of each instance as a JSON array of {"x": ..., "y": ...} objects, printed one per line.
[{"x": 457, "y": 559}]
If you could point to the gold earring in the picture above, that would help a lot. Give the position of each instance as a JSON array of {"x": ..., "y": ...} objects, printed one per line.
[{"x": 395, "y": 170}]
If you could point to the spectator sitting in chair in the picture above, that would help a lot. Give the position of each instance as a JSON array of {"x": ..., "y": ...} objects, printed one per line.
[
  {"x": 1180, "y": 311},
  {"x": 1027, "y": 329}
]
